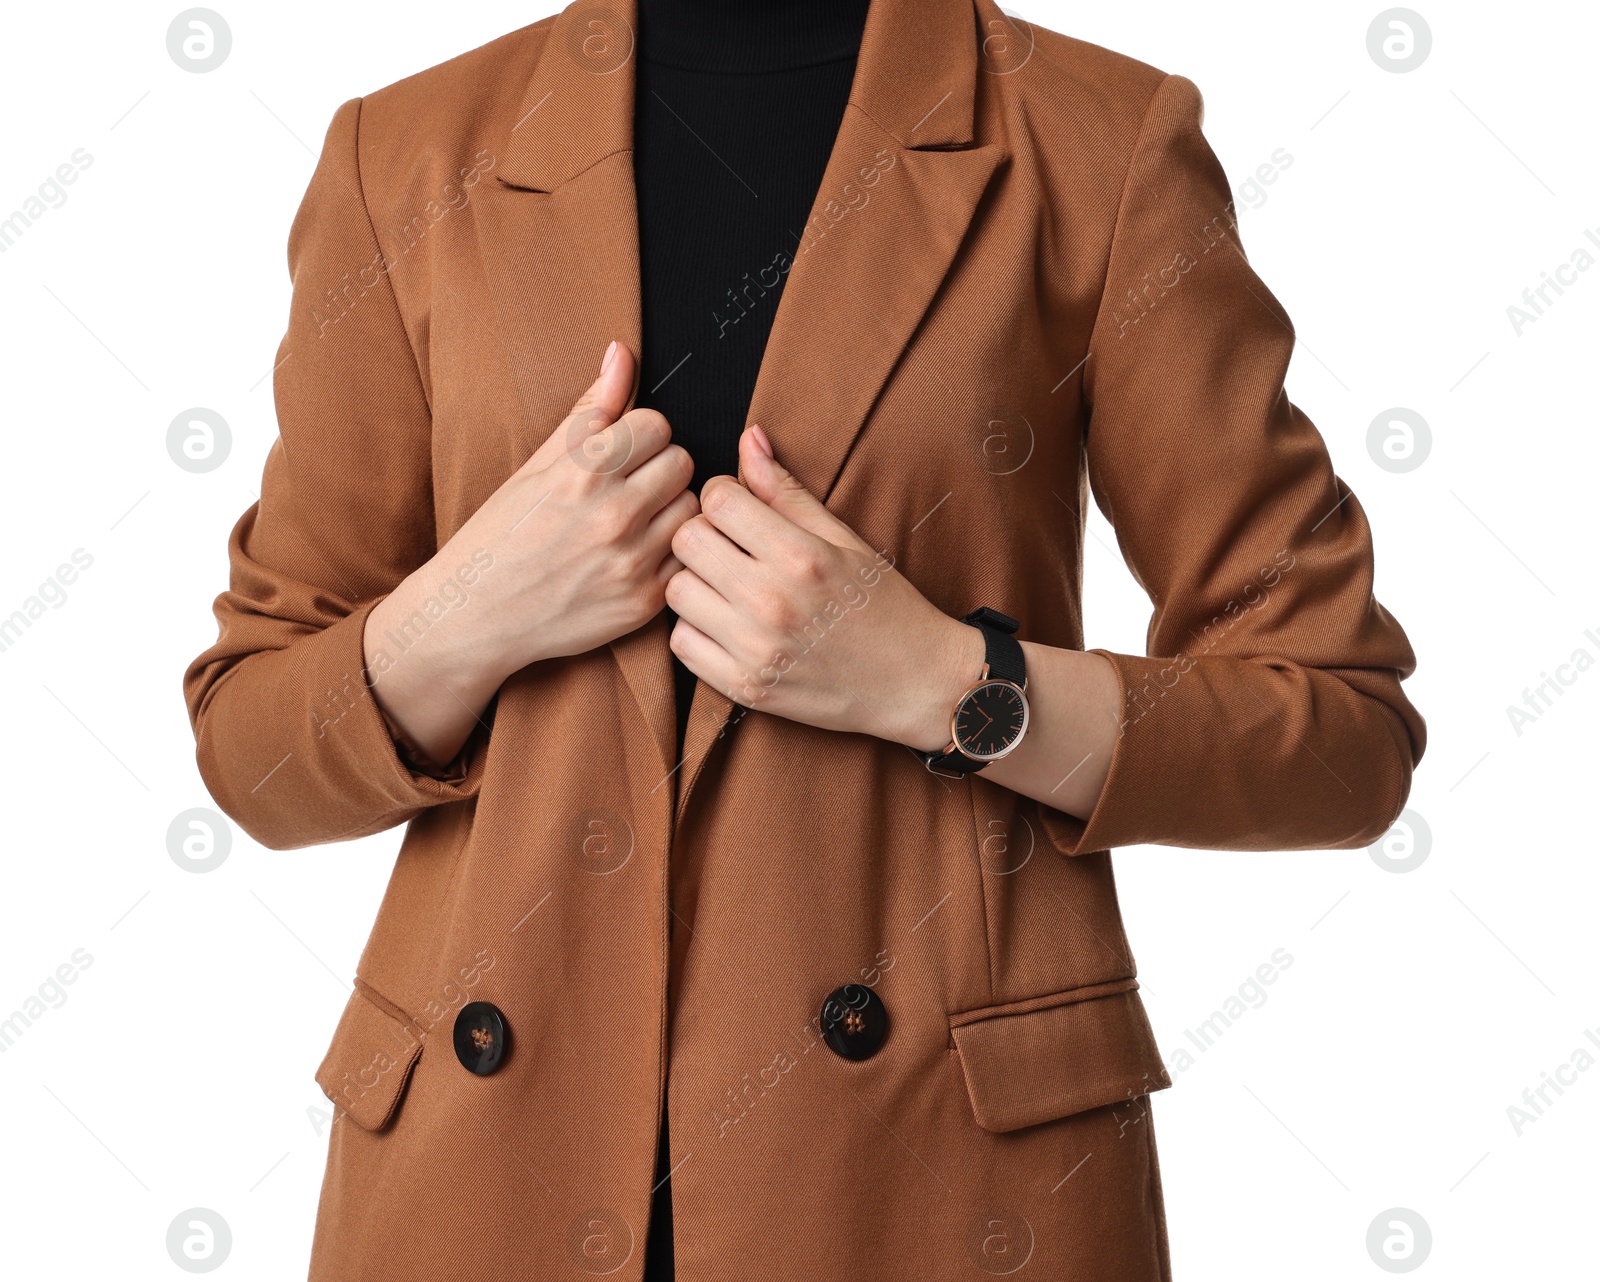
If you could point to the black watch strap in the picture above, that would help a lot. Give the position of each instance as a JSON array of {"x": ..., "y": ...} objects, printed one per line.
[
  {"x": 1002, "y": 653},
  {"x": 1001, "y": 649}
]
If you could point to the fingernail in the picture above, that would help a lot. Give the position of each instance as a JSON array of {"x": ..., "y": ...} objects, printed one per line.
[
  {"x": 605, "y": 361},
  {"x": 761, "y": 439}
]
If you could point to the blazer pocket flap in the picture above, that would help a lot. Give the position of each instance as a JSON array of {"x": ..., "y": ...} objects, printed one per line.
[
  {"x": 369, "y": 1060},
  {"x": 1033, "y": 1061}
]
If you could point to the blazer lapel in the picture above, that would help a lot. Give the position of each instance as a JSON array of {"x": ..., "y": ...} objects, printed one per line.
[
  {"x": 900, "y": 189},
  {"x": 561, "y": 255},
  {"x": 560, "y": 250}
]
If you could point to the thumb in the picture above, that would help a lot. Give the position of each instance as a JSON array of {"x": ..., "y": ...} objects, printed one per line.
[
  {"x": 608, "y": 394},
  {"x": 601, "y": 404},
  {"x": 783, "y": 492}
]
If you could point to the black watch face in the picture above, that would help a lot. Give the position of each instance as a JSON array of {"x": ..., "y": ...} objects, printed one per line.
[{"x": 990, "y": 719}]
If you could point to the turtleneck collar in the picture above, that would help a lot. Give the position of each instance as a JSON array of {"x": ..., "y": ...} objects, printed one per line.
[{"x": 749, "y": 36}]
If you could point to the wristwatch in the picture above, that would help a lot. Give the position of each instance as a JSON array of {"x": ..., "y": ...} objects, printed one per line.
[{"x": 991, "y": 716}]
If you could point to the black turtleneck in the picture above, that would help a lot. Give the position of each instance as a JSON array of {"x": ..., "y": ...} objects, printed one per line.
[{"x": 737, "y": 105}]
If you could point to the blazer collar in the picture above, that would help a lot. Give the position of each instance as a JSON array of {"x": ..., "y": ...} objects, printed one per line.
[
  {"x": 901, "y": 185},
  {"x": 914, "y": 76}
]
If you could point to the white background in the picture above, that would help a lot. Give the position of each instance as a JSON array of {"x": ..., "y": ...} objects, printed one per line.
[{"x": 1418, "y": 1006}]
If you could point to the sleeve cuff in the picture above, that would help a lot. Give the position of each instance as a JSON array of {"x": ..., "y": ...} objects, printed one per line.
[
  {"x": 294, "y": 747},
  {"x": 1116, "y": 817},
  {"x": 403, "y": 773}
]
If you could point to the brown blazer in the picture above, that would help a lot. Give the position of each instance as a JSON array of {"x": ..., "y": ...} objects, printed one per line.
[{"x": 1021, "y": 284}]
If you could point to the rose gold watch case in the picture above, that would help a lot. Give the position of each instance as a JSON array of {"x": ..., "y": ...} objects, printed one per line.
[{"x": 986, "y": 680}]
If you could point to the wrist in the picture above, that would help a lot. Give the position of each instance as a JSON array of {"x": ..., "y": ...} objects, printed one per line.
[
  {"x": 408, "y": 631},
  {"x": 945, "y": 669}
]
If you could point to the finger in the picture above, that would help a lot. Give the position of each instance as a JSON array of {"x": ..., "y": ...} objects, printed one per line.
[
  {"x": 702, "y": 655},
  {"x": 621, "y": 448},
  {"x": 782, "y": 491},
  {"x": 666, "y": 523},
  {"x": 715, "y": 558},
  {"x": 600, "y": 405},
  {"x": 610, "y": 390},
  {"x": 691, "y": 597},
  {"x": 664, "y": 572},
  {"x": 663, "y": 476},
  {"x": 761, "y": 530}
]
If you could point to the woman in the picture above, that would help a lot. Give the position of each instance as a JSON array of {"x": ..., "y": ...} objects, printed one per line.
[{"x": 848, "y": 967}]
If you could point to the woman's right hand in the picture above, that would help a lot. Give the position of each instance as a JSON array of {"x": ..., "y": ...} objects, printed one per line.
[{"x": 572, "y": 551}]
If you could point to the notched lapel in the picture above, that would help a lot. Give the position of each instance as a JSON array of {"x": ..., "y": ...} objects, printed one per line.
[
  {"x": 860, "y": 284},
  {"x": 559, "y": 244},
  {"x": 900, "y": 189},
  {"x": 558, "y": 233}
]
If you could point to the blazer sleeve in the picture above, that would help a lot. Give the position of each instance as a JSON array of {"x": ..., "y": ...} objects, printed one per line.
[
  {"x": 1267, "y": 713},
  {"x": 289, "y": 739}
]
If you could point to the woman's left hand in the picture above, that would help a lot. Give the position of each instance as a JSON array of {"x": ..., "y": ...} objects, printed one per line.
[{"x": 784, "y": 608}]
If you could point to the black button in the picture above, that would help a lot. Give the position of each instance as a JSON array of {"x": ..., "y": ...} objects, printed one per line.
[
  {"x": 854, "y": 1021},
  {"x": 481, "y": 1037}
]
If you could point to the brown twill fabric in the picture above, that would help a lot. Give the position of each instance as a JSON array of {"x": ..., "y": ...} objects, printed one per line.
[{"x": 1020, "y": 286}]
